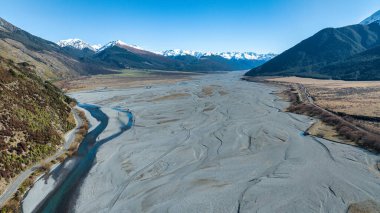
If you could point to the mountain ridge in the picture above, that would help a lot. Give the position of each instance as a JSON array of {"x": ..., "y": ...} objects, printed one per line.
[
  {"x": 235, "y": 55},
  {"x": 318, "y": 55},
  {"x": 120, "y": 55},
  {"x": 374, "y": 18}
]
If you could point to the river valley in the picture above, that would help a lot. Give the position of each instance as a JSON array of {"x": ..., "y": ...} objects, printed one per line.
[{"x": 211, "y": 144}]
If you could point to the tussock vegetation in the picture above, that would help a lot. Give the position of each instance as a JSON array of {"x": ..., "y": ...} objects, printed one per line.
[
  {"x": 45, "y": 166},
  {"x": 348, "y": 107},
  {"x": 345, "y": 129},
  {"x": 355, "y": 101}
]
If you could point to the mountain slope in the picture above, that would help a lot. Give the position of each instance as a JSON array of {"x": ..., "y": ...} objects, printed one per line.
[
  {"x": 330, "y": 45},
  {"x": 34, "y": 115},
  {"x": 375, "y": 18},
  {"x": 51, "y": 61},
  {"x": 122, "y": 56},
  {"x": 21, "y": 46},
  {"x": 215, "y": 63},
  {"x": 363, "y": 66}
]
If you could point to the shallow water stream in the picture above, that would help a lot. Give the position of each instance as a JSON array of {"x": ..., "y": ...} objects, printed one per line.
[{"x": 63, "y": 197}]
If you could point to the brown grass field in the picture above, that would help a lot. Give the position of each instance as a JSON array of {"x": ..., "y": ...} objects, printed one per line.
[
  {"x": 353, "y": 98},
  {"x": 354, "y": 108}
]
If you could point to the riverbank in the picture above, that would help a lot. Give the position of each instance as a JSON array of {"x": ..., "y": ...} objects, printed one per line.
[
  {"x": 44, "y": 183},
  {"x": 220, "y": 144},
  {"x": 56, "y": 188}
]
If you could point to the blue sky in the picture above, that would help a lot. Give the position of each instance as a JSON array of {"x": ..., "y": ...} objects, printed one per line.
[{"x": 204, "y": 25}]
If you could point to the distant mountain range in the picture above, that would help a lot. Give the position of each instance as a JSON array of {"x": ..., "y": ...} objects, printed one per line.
[
  {"x": 80, "y": 44},
  {"x": 347, "y": 53},
  {"x": 176, "y": 59},
  {"x": 73, "y": 57}
]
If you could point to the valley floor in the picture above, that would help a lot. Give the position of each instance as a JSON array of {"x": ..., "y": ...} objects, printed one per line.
[{"x": 219, "y": 144}]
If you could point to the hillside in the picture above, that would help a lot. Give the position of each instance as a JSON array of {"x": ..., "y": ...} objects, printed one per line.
[
  {"x": 363, "y": 66},
  {"x": 328, "y": 48},
  {"x": 214, "y": 63},
  {"x": 122, "y": 56},
  {"x": 51, "y": 61},
  {"x": 34, "y": 115}
]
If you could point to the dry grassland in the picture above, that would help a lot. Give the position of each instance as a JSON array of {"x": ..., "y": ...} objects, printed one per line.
[{"x": 358, "y": 99}]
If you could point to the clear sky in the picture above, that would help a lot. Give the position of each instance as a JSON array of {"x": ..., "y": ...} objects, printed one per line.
[{"x": 203, "y": 25}]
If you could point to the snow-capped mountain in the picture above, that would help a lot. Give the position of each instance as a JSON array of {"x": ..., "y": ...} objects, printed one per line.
[
  {"x": 96, "y": 47},
  {"x": 118, "y": 43},
  {"x": 373, "y": 18},
  {"x": 80, "y": 44},
  {"x": 179, "y": 52},
  {"x": 245, "y": 55},
  {"x": 226, "y": 55},
  {"x": 75, "y": 43},
  {"x": 111, "y": 44}
]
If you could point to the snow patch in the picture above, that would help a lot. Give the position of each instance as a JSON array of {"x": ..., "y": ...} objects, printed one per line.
[
  {"x": 118, "y": 43},
  {"x": 226, "y": 55},
  {"x": 75, "y": 43}
]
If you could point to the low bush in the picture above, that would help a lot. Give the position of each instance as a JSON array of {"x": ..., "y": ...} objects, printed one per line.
[{"x": 45, "y": 166}]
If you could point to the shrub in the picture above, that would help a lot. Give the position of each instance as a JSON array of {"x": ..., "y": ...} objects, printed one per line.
[
  {"x": 371, "y": 141},
  {"x": 45, "y": 166}
]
